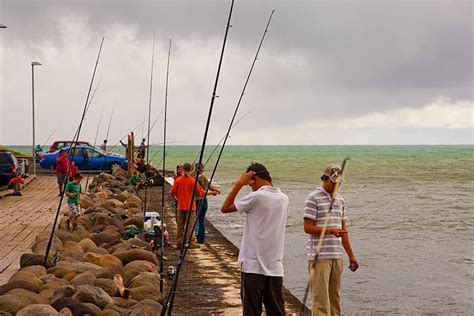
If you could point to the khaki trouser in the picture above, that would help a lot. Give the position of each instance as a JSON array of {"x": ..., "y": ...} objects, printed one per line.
[
  {"x": 325, "y": 279},
  {"x": 181, "y": 222}
]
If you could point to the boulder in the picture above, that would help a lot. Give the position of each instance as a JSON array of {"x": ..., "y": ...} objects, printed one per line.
[
  {"x": 76, "y": 307},
  {"x": 145, "y": 308},
  {"x": 25, "y": 277},
  {"x": 124, "y": 302},
  {"x": 113, "y": 203},
  {"x": 138, "y": 243},
  {"x": 120, "y": 247},
  {"x": 82, "y": 232},
  {"x": 145, "y": 279},
  {"x": 31, "y": 259},
  {"x": 106, "y": 261},
  {"x": 123, "y": 196},
  {"x": 63, "y": 291},
  {"x": 87, "y": 244},
  {"x": 94, "y": 308},
  {"x": 136, "y": 254},
  {"x": 37, "y": 310},
  {"x": 85, "y": 222},
  {"x": 134, "y": 199},
  {"x": 134, "y": 268},
  {"x": 92, "y": 258},
  {"x": 104, "y": 238},
  {"x": 102, "y": 219},
  {"x": 109, "y": 273},
  {"x": 102, "y": 195},
  {"x": 99, "y": 250},
  {"x": 37, "y": 270},
  {"x": 86, "y": 278},
  {"x": 86, "y": 202},
  {"x": 109, "y": 312},
  {"x": 39, "y": 247},
  {"x": 65, "y": 236},
  {"x": 108, "y": 285},
  {"x": 65, "y": 312},
  {"x": 16, "y": 299},
  {"x": 92, "y": 294},
  {"x": 26, "y": 285},
  {"x": 146, "y": 292},
  {"x": 136, "y": 220}
]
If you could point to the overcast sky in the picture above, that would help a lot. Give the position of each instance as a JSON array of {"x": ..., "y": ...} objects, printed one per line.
[{"x": 329, "y": 72}]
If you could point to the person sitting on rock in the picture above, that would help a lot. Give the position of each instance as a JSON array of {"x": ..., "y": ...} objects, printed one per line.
[{"x": 73, "y": 191}]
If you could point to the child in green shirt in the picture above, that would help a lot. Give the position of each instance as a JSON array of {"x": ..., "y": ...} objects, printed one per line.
[{"x": 73, "y": 191}]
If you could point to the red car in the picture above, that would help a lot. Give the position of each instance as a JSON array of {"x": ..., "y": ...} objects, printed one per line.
[{"x": 65, "y": 143}]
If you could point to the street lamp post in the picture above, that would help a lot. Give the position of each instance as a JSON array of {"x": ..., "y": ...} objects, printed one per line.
[{"x": 33, "y": 64}]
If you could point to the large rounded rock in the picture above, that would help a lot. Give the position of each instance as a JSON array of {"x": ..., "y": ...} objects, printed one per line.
[
  {"x": 82, "y": 232},
  {"x": 92, "y": 258},
  {"x": 108, "y": 285},
  {"x": 85, "y": 222},
  {"x": 123, "y": 196},
  {"x": 65, "y": 236},
  {"x": 76, "y": 307},
  {"x": 136, "y": 254},
  {"x": 86, "y": 202},
  {"x": 94, "y": 308},
  {"x": 134, "y": 199},
  {"x": 99, "y": 250},
  {"x": 105, "y": 238},
  {"x": 92, "y": 294},
  {"x": 37, "y": 310},
  {"x": 26, "y": 285},
  {"x": 145, "y": 279},
  {"x": 31, "y": 259},
  {"x": 102, "y": 195},
  {"x": 138, "y": 243},
  {"x": 120, "y": 247},
  {"x": 63, "y": 291},
  {"x": 109, "y": 273},
  {"x": 124, "y": 302},
  {"x": 113, "y": 203},
  {"x": 86, "y": 278},
  {"x": 107, "y": 261},
  {"x": 16, "y": 299},
  {"x": 25, "y": 277},
  {"x": 146, "y": 308},
  {"x": 87, "y": 244},
  {"x": 146, "y": 292},
  {"x": 102, "y": 219},
  {"x": 134, "y": 268},
  {"x": 37, "y": 270}
]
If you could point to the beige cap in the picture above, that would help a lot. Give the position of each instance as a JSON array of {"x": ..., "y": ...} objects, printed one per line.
[{"x": 334, "y": 173}]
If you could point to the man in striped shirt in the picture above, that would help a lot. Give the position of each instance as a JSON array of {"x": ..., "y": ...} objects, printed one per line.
[{"x": 325, "y": 206}]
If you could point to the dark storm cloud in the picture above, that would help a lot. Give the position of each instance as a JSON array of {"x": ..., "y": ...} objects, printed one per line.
[{"x": 328, "y": 59}]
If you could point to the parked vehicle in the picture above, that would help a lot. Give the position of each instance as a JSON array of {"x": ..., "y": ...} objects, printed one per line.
[
  {"x": 8, "y": 167},
  {"x": 86, "y": 158},
  {"x": 65, "y": 143}
]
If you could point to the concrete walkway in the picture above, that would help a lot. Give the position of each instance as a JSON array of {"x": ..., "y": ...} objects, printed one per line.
[{"x": 22, "y": 218}]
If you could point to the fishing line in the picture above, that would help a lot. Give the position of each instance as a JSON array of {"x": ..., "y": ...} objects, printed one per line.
[
  {"x": 230, "y": 124},
  {"x": 77, "y": 134},
  {"x": 93, "y": 152},
  {"x": 168, "y": 305},
  {"x": 163, "y": 215},
  {"x": 149, "y": 118}
]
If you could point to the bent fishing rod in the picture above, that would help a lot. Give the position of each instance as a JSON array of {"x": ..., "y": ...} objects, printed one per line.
[
  {"x": 75, "y": 139},
  {"x": 224, "y": 137},
  {"x": 163, "y": 213},
  {"x": 168, "y": 304},
  {"x": 149, "y": 118},
  {"x": 51, "y": 135},
  {"x": 339, "y": 180},
  {"x": 231, "y": 122}
]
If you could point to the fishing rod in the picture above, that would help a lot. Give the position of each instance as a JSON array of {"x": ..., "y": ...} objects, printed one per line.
[
  {"x": 93, "y": 94},
  {"x": 76, "y": 138},
  {"x": 95, "y": 143},
  {"x": 163, "y": 215},
  {"x": 149, "y": 118},
  {"x": 224, "y": 137},
  {"x": 339, "y": 180},
  {"x": 110, "y": 121},
  {"x": 168, "y": 304},
  {"x": 230, "y": 125},
  {"x": 51, "y": 135}
]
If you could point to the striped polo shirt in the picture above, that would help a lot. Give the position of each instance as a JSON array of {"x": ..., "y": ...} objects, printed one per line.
[{"x": 316, "y": 207}]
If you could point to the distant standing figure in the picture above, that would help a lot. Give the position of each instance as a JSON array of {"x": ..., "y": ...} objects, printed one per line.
[
  {"x": 261, "y": 250},
  {"x": 182, "y": 191},
  {"x": 325, "y": 268},
  {"x": 201, "y": 205},
  {"x": 85, "y": 158},
  {"x": 73, "y": 191},
  {"x": 142, "y": 149},
  {"x": 72, "y": 170},
  {"x": 62, "y": 167},
  {"x": 103, "y": 146}
]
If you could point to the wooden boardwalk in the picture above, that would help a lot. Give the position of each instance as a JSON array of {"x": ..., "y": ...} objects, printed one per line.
[{"x": 23, "y": 218}]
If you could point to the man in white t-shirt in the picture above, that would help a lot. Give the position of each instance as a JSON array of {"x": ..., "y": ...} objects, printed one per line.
[{"x": 261, "y": 250}]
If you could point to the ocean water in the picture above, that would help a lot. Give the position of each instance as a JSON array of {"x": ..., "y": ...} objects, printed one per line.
[{"x": 411, "y": 219}]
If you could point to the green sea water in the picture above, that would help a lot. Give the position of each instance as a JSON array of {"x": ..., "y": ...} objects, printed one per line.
[{"x": 411, "y": 218}]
